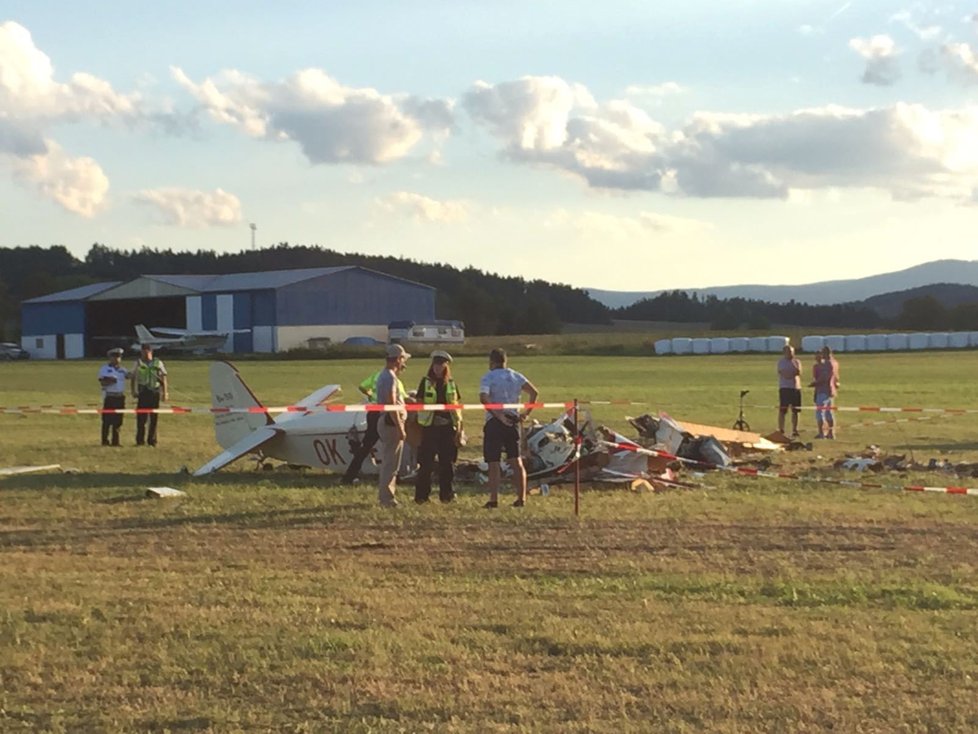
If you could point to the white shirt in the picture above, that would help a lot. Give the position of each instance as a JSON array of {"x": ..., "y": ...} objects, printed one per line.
[
  {"x": 119, "y": 374},
  {"x": 501, "y": 385}
]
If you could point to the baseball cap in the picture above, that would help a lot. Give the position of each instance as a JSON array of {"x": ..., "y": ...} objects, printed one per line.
[
  {"x": 115, "y": 350},
  {"x": 442, "y": 355},
  {"x": 396, "y": 350}
]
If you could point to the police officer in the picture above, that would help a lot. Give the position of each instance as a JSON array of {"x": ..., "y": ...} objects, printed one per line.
[
  {"x": 112, "y": 377},
  {"x": 440, "y": 429},
  {"x": 149, "y": 387}
]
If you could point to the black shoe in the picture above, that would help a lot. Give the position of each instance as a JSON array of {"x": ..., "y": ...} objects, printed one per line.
[
  {"x": 518, "y": 503},
  {"x": 491, "y": 504},
  {"x": 447, "y": 500},
  {"x": 422, "y": 500}
]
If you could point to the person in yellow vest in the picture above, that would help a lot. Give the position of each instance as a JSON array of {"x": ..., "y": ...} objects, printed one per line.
[
  {"x": 149, "y": 387},
  {"x": 440, "y": 429}
]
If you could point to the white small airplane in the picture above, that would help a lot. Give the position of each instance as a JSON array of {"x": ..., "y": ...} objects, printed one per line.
[
  {"x": 316, "y": 439},
  {"x": 182, "y": 339}
]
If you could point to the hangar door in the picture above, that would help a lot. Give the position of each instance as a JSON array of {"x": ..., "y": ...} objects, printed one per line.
[{"x": 112, "y": 323}]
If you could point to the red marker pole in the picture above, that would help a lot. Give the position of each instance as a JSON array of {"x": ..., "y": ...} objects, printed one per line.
[{"x": 577, "y": 464}]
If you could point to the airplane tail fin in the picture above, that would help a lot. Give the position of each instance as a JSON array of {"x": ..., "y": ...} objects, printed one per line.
[
  {"x": 143, "y": 334},
  {"x": 228, "y": 390}
]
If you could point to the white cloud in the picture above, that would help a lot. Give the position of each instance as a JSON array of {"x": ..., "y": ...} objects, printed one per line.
[
  {"x": 190, "y": 208},
  {"x": 665, "y": 89},
  {"x": 597, "y": 227},
  {"x": 77, "y": 184},
  {"x": 907, "y": 150},
  {"x": 29, "y": 91},
  {"x": 924, "y": 32},
  {"x": 330, "y": 122},
  {"x": 32, "y": 101},
  {"x": 880, "y": 53},
  {"x": 961, "y": 61},
  {"x": 422, "y": 208},
  {"x": 531, "y": 113}
]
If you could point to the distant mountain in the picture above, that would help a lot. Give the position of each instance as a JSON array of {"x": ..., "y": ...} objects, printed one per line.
[
  {"x": 949, "y": 295},
  {"x": 964, "y": 272}
]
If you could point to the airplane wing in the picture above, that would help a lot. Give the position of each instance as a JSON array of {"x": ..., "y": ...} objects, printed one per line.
[
  {"x": 254, "y": 440},
  {"x": 311, "y": 400}
]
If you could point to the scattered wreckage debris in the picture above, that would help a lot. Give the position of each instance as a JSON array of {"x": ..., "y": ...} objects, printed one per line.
[
  {"x": 10, "y": 471},
  {"x": 602, "y": 455},
  {"x": 872, "y": 458},
  {"x": 161, "y": 492}
]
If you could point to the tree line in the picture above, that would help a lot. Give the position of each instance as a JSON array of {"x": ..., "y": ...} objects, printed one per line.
[
  {"x": 923, "y": 313},
  {"x": 489, "y": 304}
]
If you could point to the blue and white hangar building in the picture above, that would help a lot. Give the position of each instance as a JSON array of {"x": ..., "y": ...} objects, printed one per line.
[{"x": 270, "y": 311}]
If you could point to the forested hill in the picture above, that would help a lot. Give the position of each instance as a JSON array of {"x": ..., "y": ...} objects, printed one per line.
[{"x": 487, "y": 303}]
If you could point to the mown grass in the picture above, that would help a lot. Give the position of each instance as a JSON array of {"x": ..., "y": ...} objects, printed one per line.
[{"x": 279, "y": 601}]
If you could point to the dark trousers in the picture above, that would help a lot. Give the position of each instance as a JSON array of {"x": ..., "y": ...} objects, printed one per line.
[
  {"x": 436, "y": 441},
  {"x": 367, "y": 443},
  {"x": 112, "y": 422},
  {"x": 147, "y": 399}
]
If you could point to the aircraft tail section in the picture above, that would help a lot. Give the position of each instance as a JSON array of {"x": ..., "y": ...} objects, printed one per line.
[
  {"x": 228, "y": 390},
  {"x": 144, "y": 335}
]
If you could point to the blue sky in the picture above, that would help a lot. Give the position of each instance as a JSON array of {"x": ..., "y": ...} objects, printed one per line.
[{"x": 623, "y": 145}]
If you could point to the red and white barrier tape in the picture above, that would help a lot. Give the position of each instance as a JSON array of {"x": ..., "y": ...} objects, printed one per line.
[
  {"x": 751, "y": 472},
  {"x": 327, "y": 408},
  {"x": 875, "y": 409}
]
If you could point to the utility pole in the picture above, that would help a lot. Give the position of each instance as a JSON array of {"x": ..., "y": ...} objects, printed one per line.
[{"x": 253, "y": 228}]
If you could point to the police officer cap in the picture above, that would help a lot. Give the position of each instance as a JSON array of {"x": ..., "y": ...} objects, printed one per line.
[
  {"x": 116, "y": 350},
  {"x": 442, "y": 355}
]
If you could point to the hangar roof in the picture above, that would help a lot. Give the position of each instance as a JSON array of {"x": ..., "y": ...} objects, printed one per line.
[
  {"x": 175, "y": 285},
  {"x": 75, "y": 294}
]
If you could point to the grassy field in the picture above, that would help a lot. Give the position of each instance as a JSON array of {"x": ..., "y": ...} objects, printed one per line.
[{"x": 281, "y": 601}]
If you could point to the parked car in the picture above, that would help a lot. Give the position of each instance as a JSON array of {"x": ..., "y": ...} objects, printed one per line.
[{"x": 9, "y": 350}]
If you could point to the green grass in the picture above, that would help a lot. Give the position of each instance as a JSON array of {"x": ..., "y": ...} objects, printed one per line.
[{"x": 279, "y": 601}]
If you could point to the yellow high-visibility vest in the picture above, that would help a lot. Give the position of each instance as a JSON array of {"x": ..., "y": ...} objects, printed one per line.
[{"x": 425, "y": 417}]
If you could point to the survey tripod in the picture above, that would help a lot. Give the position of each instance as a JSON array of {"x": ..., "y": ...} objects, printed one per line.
[{"x": 741, "y": 423}]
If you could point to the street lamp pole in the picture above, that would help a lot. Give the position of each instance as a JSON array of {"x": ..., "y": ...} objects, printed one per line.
[{"x": 253, "y": 228}]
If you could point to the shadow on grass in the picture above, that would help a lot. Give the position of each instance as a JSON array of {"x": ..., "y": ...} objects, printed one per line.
[
  {"x": 262, "y": 519},
  {"x": 180, "y": 480}
]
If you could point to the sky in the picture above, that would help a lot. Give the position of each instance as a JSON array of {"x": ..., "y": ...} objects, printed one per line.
[{"x": 617, "y": 145}]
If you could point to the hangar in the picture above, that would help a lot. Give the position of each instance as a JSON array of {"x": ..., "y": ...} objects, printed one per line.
[{"x": 269, "y": 311}]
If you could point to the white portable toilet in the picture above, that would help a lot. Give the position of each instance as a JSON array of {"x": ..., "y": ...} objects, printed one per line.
[
  {"x": 897, "y": 342},
  {"x": 836, "y": 342},
  {"x": 719, "y": 345},
  {"x": 918, "y": 340},
  {"x": 876, "y": 342},
  {"x": 812, "y": 344},
  {"x": 682, "y": 345},
  {"x": 777, "y": 343},
  {"x": 938, "y": 340},
  {"x": 701, "y": 345},
  {"x": 958, "y": 339},
  {"x": 757, "y": 344},
  {"x": 742, "y": 343},
  {"x": 855, "y": 342},
  {"x": 663, "y": 346}
]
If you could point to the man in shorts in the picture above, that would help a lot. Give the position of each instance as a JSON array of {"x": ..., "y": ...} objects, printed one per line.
[
  {"x": 501, "y": 432},
  {"x": 789, "y": 389}
]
